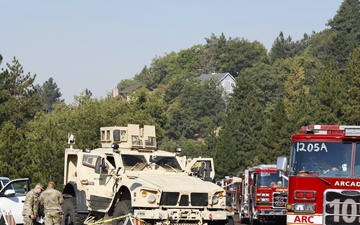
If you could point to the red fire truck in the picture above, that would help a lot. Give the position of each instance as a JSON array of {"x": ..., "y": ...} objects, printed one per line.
[
  {"x": 324, "y": 175},
  {"x": 230, "y": 187},
  {"x": 262, "y": 195}
]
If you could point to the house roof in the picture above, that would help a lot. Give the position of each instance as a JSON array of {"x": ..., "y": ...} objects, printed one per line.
[
  {"x": 216, "y": 76},
  {"x": 133, "y": 88}
]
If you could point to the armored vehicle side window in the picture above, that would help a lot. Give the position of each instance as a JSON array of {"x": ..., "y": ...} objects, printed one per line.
[
  {"x": 89, "y": 160},
  {"x": 130, "y": 161},
  {"x": 111, "y": 160},
  {"x": 136, "y": 140},
  {"x": 151, "y": 141}
]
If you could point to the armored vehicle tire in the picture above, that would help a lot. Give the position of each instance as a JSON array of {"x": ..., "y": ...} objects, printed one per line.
[
  {"x": 122, "y": 208},
  {"x": 71, "y": 216}
]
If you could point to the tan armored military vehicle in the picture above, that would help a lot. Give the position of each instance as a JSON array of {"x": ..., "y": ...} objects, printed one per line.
[{"x": 129, "y": 175}]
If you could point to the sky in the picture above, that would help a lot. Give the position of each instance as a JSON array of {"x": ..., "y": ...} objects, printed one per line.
[{"x": 93, "y": 44}]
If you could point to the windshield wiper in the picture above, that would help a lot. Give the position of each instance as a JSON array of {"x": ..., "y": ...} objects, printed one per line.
[
  {"x": 171, "y": 167},
  {"x": 143, "y": 167},
  {"x": 320, "y": 178},
  {"x": 323, "y": 180},
  {"x": 132, "y": 168}
]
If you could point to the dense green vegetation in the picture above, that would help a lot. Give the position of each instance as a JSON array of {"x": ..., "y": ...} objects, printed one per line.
[{"x": 311, "y": 81}]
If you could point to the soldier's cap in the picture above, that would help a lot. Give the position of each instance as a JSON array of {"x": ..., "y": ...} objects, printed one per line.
[
  {"x": 40, "y": 186},
  {"x": 52, "y": 183}
]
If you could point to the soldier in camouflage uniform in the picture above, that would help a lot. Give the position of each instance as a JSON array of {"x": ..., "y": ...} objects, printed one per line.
[
  {"x": 31, "y": 205},
  {"x": 52, "y": 200}
]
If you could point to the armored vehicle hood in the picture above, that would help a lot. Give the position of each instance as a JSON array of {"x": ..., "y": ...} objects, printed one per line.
[{"x": 173, "y": 182}]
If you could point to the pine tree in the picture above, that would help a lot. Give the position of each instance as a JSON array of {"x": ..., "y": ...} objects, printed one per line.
[
  {"x": 239, "y": 137},
  {"x": 345, "y": 27},
  {"x": 328, "y": 98},
  {"x": 278, "y": 48},
  {"x": 293, "y": 89},
  {"x": 276, "y": 135},
  {"x": 50, "y": 93},
  {"x": 18, "y": 97},
  {"x": 351, "y": 98}
]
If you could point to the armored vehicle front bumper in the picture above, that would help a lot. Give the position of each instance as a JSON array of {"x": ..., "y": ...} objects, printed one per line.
[{"x": 177, "y": 215}]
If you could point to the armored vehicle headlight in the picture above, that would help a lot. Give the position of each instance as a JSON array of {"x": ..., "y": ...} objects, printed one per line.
[
  {"x": 151, "y": 198},
  {"x": 215, "y": 199}
]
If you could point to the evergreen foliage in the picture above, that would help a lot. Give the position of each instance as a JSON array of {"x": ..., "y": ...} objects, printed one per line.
[
  {"x": 285, "y": 48},
  {"x": 241, "y": 129},
  {"x": 241, "y": 54},
  {"x": 50, "y": 94},
  {"x": 345, "y": 27},
  {"x": 276, "y": 145},
  {"x": 351, "y": 99},
  {"x": 18, "y": 97},
  {"x": 199, "y": 108}
]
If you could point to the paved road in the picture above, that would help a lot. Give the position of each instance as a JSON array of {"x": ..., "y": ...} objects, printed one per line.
[{"x": 237, "y": 222}]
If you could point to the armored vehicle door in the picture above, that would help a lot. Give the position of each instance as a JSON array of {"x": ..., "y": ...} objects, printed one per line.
[
  {"x": 202, "y": 168},
  {"x": 96, "y": 177}
]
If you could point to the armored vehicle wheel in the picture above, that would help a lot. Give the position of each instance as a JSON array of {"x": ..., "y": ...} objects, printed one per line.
[
  {"x": 71, "y": 216},
  {"x": 122, "y": 208}
]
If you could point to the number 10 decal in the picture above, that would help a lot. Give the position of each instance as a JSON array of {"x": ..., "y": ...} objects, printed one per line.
[{"x": 341, "y": 209}]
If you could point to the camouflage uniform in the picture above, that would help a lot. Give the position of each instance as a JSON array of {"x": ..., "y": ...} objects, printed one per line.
[
  {"x": 31, "y": 206},
  {"x": 52, "y": 200}
]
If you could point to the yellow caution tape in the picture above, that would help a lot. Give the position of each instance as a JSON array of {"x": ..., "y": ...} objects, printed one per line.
[{"x": 119, "y": 218}]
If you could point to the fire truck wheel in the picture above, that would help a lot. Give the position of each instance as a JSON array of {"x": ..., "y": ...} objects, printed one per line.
[
  {"x": 71, "y": 216},
  {"x": 254, "y": 222},
  {"x": 122, "y": 208}
]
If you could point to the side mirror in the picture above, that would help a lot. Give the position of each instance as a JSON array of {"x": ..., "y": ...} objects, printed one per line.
[
  {"x": 9, "y": 192},
  {"x": 281, "y": 164}
]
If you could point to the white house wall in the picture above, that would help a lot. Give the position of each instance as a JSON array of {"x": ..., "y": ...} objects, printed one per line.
[{"x": 228, "y": 84}]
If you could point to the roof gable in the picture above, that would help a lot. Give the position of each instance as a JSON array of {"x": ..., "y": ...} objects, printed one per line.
[
  {"x": 131, "y": 88},
  {"x": 215, "y": 76}
]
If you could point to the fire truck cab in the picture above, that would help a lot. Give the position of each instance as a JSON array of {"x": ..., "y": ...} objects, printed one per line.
[
  {"x": 262, "y": 195},
  {"x": 324, "y": 175}
]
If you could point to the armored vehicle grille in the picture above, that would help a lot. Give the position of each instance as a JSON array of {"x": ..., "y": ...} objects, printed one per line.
[
  {"x": 199, "y": 199},
  {"x": 169, "y": 198},
  {"x": 174, "y": 199}
]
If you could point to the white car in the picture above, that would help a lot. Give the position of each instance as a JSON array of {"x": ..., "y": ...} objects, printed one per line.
[
  {"x": 12, "y": 197},
  {"x": 3, "y": 181}
]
